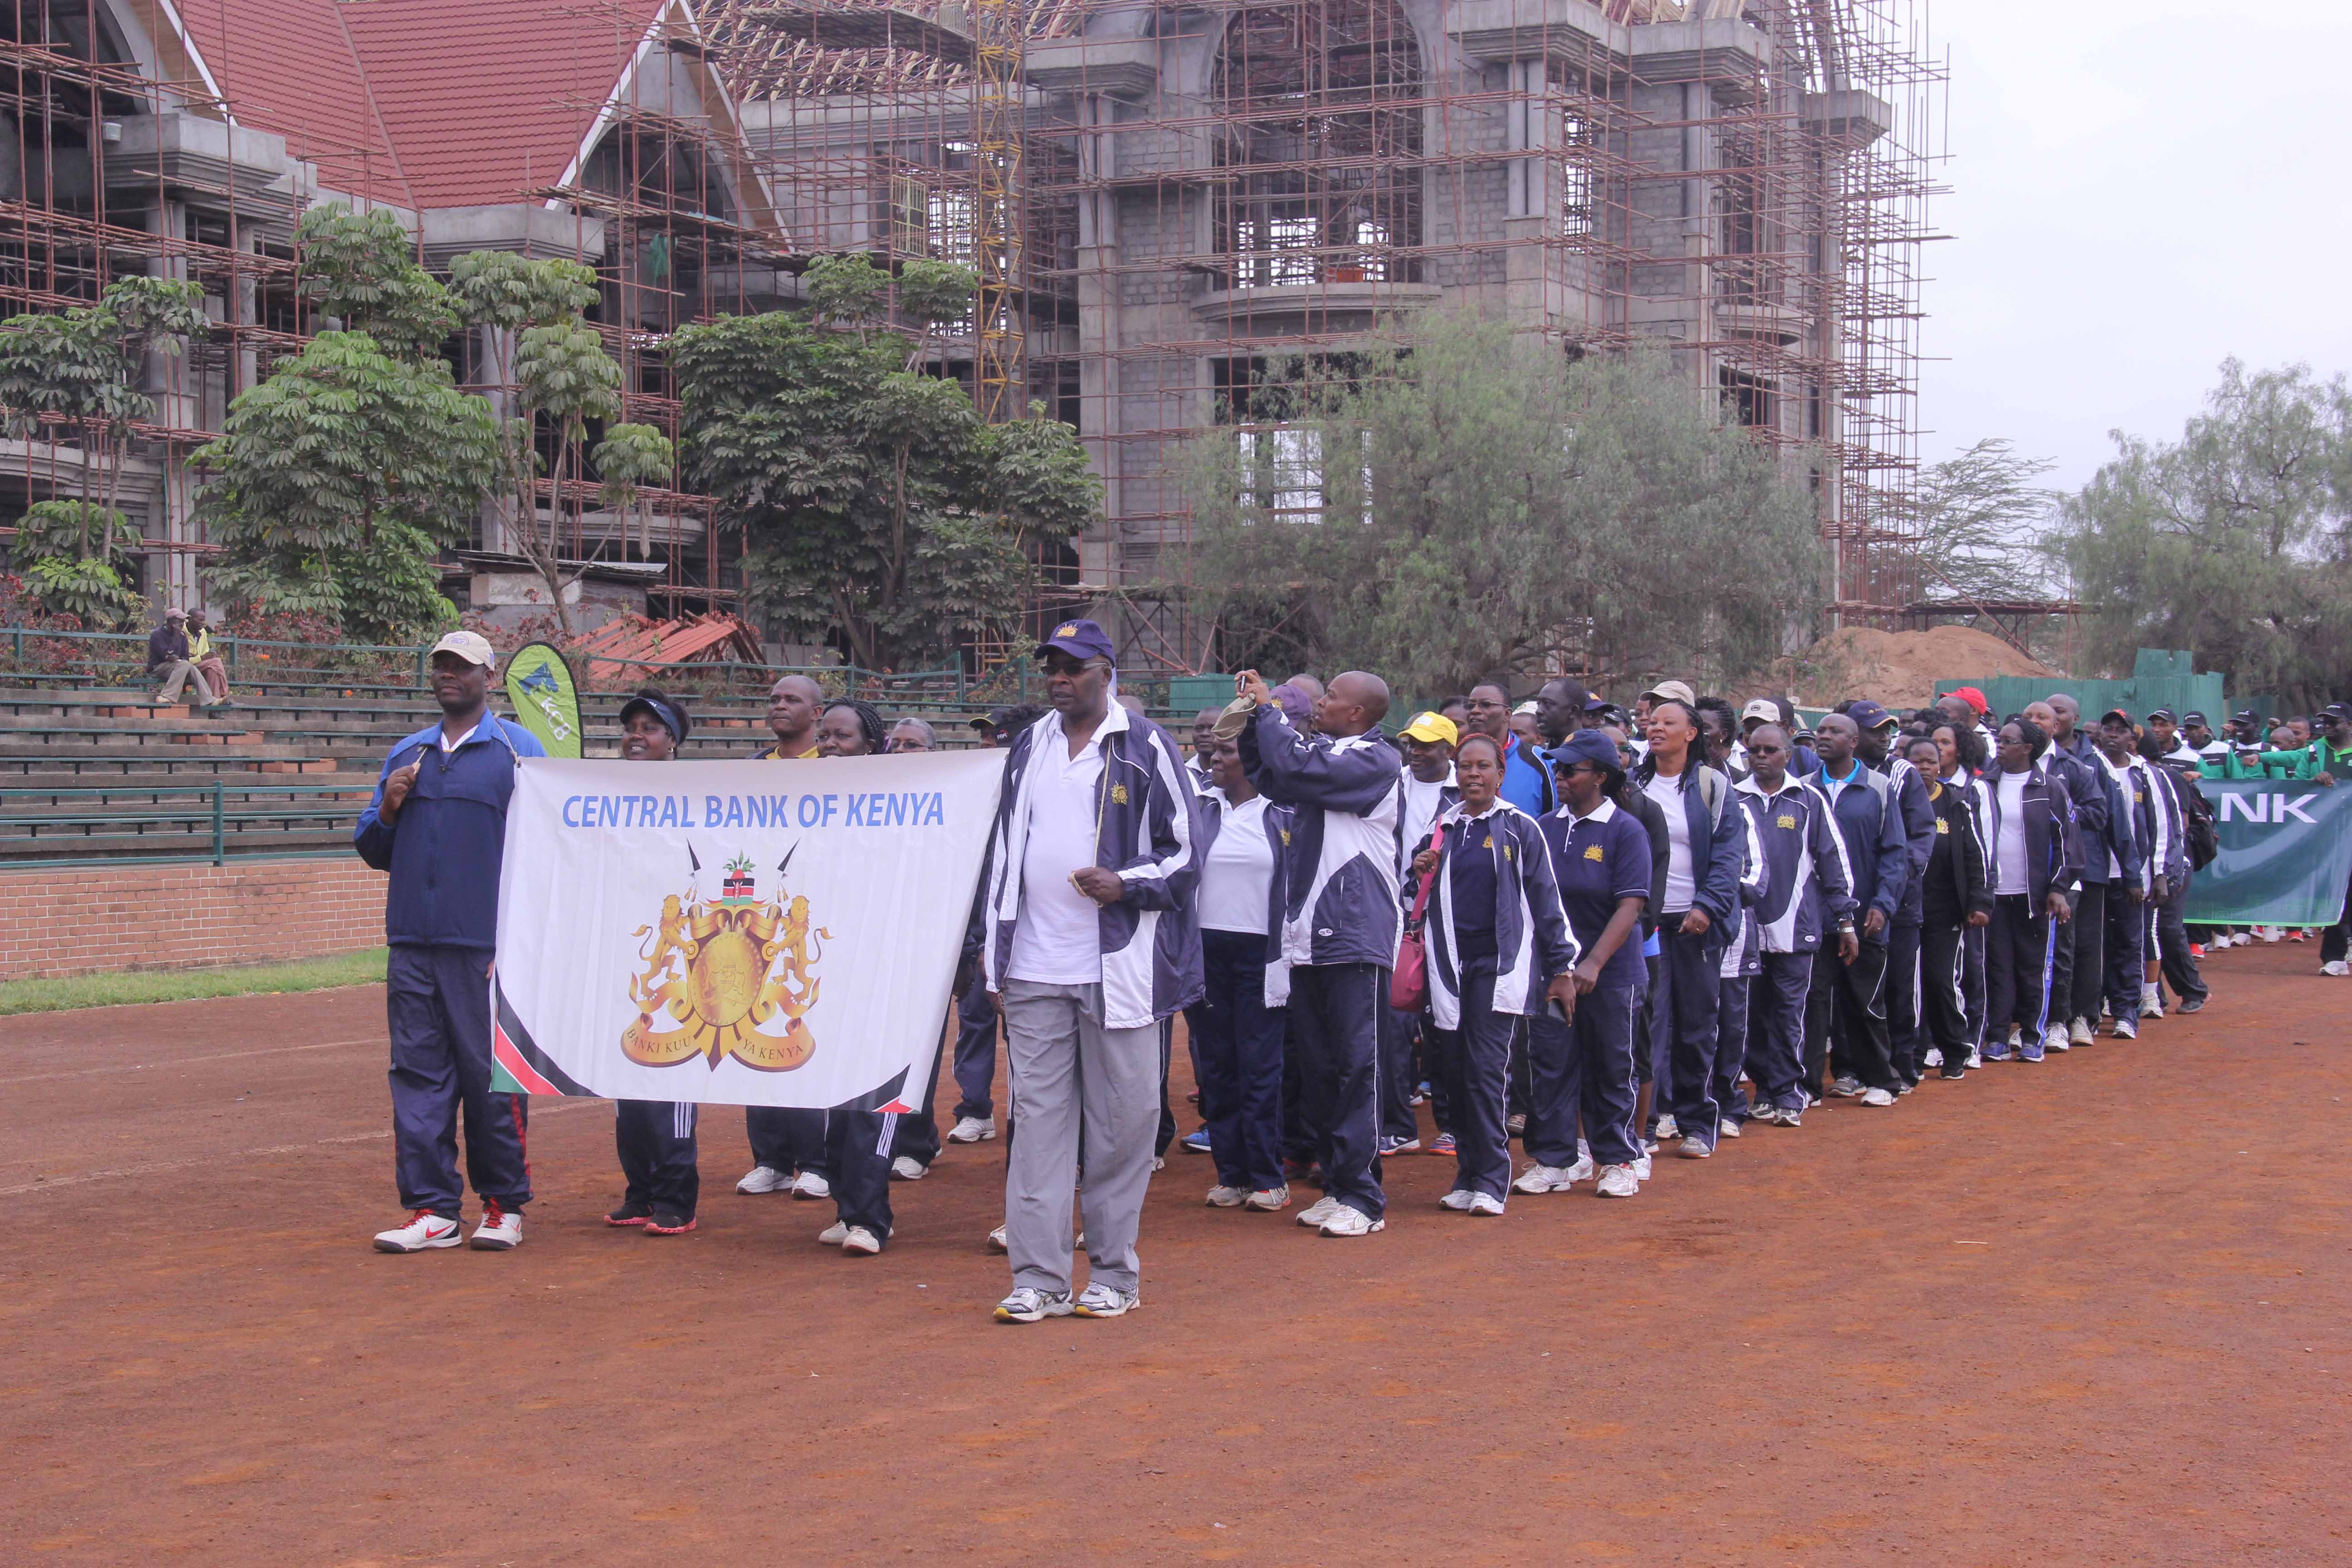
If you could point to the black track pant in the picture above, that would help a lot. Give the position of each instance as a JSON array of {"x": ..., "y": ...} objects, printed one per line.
[{"x": 1857, "y": 1006}]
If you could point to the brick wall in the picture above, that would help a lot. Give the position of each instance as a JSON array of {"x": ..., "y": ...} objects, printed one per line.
[{"x": 87, "y": 921}]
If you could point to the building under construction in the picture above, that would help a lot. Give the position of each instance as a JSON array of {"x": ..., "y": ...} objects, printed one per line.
[{"x": 1161, "y": 200}]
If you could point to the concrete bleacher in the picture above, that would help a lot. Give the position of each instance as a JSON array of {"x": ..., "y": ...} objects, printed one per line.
[{"x": 95, "y": 773}]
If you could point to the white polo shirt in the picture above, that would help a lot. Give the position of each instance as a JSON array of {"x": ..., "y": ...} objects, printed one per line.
[{"x": 1057, "y": 937}]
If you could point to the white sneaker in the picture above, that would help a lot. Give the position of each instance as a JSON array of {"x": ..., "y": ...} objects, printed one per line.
[
  {"x": 2127, "y": 1029},
  {"x": 1725, "y": 1128},
  {"x": 861, "y": 1241},
  {"x": 907, "y": 1168},
  {"x": 1458, "y": 1200},
  {"x": 834, "y": 1234},
  {"x": 809, "y": 1185},
  {"x": 2151, "y": 1002},
  {"x": 1030, "y": 1305},
  {"x": 2338, "y": 967},
  {"x": 1540, "y": 1179},
  {"x": 1347, "y": 1221},
  {"x": 1934, "y": 1059},
  {"x": 500, "y": 1231},
  {"x": 974, "y": 1129},
  {"x": 1485, "y": 1203},
  {"x": 1876, "y": 1097},
  {"x": 425, "y": 1232},
  {"x": 1640, "y": 1167},
  {"x": 1618, "y": 1181},
  {"x": 2078, "y": 1033},
  {"x": 763, "y": 1179},
  {"x": 1667, "y": 1129},
  {"x": 1582, "y": 1170},
  {"x": 2054, "y": 1038},
  {"x": 996, "y": 1240},
  {"x": 1976, "y": 1060},
  {"x": 1224, "y": 1197},
  {"x": 1313, "y": 1216},
  {"x": 1101, "y": 1300},
  {"x": 1271, "y": 1200},
  {"x": 2270, "y": 933}
]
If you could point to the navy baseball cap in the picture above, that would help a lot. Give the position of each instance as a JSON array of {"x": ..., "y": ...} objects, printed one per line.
[
  {"x": 1869, "y": 715},
  {"x": 2192, "y": 717},
  {"x": 1584, "y": 746},
  {"x": 1080, "y": 640},
  {"x": 2335, "y": 711},
  {"x": 2167, "y": 714},
  {"x": 665, "y": 714},
  {"x": 2246, "y": 716}
]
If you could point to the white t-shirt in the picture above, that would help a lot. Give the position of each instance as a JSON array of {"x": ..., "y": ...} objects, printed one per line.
[
  {"x": 449, "y": 744},
  {"x": 1680, "y": 887},
  {"x": 1238, "y": 870},
  {"x": 1057, "y": 938},
  {"x": 1422, "y": 802},
  {"x": 2009, "y": 846}
]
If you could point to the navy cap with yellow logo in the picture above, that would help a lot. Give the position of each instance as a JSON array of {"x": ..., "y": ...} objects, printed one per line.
[{"x": 1081, "y": 640}]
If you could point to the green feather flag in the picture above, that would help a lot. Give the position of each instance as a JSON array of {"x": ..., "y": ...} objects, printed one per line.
[{"x": 546, "y": 701}]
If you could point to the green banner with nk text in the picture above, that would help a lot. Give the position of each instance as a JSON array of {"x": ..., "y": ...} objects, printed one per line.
[{"x": 2287, "y": 853}]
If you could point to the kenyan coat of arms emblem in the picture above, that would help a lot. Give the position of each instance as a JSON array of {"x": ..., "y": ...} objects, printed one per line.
[{"x": 719, "y": 969}]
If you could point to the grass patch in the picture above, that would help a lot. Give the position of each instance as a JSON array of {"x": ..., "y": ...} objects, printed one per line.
[{"x": 364, "y": 968}]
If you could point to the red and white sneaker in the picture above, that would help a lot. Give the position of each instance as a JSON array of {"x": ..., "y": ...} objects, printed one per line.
[
  {"x": 425, "y": 1231},
  {"x": 500, "y": 1231}
]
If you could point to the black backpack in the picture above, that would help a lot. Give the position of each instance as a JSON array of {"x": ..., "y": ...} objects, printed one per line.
[{"x": 2197, "y": 816}]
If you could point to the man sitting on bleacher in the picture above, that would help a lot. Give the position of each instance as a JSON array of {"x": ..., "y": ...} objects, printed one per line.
[{"x": 167, "y": 653}]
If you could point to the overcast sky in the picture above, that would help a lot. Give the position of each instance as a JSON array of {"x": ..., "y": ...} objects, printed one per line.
[{"x": 2140, "y": 188}]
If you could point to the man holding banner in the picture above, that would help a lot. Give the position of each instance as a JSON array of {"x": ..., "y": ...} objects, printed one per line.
[{"x": 1093, "y": 848}]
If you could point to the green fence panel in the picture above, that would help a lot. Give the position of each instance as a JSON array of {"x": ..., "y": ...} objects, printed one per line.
[
  {"x": 2158, "y": 679},
  {"x": 1188, "y": 694}
]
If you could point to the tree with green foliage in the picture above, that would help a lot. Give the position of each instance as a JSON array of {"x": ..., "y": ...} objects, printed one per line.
[
  {"x": 77, "y": 372},
  {"x": 2234, "y": 542},
  {"x": 628, "y": 458},
  {"x": 882, "y": 515},
  {"x": 1458, "y": 501},
  {"x": 360, "y": 269}
]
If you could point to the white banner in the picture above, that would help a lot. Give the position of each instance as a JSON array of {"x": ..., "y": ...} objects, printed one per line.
[{"x": 737, "y": 933}]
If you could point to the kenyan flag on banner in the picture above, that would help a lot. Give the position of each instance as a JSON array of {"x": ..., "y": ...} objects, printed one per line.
[{"x": 517, "y": 1065}]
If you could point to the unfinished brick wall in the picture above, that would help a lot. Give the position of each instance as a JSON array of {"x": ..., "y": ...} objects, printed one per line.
[{"x": 89, "y": 920}]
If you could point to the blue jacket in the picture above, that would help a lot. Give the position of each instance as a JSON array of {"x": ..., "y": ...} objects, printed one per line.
[
  {"x": 1877, "y": 849},
  {"x": 2141, "y": 816},
  {"x": 1339, "y": 869},
  {"x": 445, "y": 846},
  {"x": 1144, "y": 811},
  {"x": 1918, "y": 831},
  {"x": 2090, "y": 799},
  {"x": 1526, "y": 779},
  {"x": 1532, "y": 940},
  {"x": 1722, "y": 833},
  {"x": 1208, "y": 814},
  {"x": 1810, "y": 881}
]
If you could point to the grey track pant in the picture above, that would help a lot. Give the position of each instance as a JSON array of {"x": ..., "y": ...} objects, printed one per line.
[{"x": 1066, "y": 1068}]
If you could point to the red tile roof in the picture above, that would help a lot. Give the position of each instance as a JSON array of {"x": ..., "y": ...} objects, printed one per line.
[{"x": 427, "y": 103}]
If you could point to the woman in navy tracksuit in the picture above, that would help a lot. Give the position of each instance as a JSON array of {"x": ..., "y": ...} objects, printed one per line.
[
  {"x": 1236, "y": 1028},
  {"x": 1584, "y": 1068},
  {"x": 858, "y": 1142},
  {"x": 2035, "y": 858},
  {"x": 654, "y": 1138},
  {"x": 1953, "y": 899},
  {"x": 1706, "y": 842},
  {"x": 1498, "y": 946}
]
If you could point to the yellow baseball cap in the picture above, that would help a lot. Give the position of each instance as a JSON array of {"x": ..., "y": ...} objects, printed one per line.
[{"x": 1426, "y": 726}]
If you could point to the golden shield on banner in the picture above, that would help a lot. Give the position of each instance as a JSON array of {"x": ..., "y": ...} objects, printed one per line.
[{"x": 722, "y": 968}]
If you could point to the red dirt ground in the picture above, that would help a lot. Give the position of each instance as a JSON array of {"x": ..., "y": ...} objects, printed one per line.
[{"x": 2091, "y": 1311}]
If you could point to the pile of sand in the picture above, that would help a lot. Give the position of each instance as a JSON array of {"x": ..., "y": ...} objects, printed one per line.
[{"x": 1899, "y": 669}]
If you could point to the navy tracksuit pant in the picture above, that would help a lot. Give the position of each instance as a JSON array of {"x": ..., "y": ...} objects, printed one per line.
[
  {"x": 787, "y": 1140},
  {"x": 438, "y": 1004},
  {"x": 1731, "y": 1046},
  {"x": 975, "y": 1051},
  {"x": 857, "y": 1160},
  {"x": 1906, "y": 1043},
  {"x": 1477, "y": 1061},
  {"x": 655, "y": 1139},
  {"x": 1584, "y": 1071},
  {"x": 1237, "y": 1052},
  {"x": 1399, "y": 1032},
  {"x": 1693, "y": 977},
  {"x": 1942, "y": 994},
  {"x": 1777, "y": 1007},
  {"x": 1972, "y": 982},
  {"x": 2020, "y": 962},
  {"x": 2092, "y": 938},
  {"x": 1857, "y": 1012},
  {"x": 2180, "y": 964},
  {"x": 2124, "y": 976},
  {"x": 1335, "y": 1035}
]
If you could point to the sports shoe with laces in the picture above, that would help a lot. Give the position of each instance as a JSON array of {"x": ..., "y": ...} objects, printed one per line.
[
  {"x": 1667, "y": 1128},
  {"x": 1443, "y": 1146},
  {"x": 1196, "y": 1142},
  {"x": 1617, "y": 1181},
  {"x": 1269, "y": 1200},
  {"x": 1541, "y": 1179},
  {"x": 1695, "y": 1149},
  {"x": 859, "y": 1242},
  {"x": 1641, "y": 1166},
  {"x": 808, "y": 1185},
  {"x": 1458, "y": 1200},
  {"x": 425, "y": 1232},
  {"x": 1582, "y": 1170},
  {"x": 1877, "y": 1096},
  {"x": 1976, "y": 1060},
  {"x": 907, "y": 1168},
  {"x": 1103, "y": 1300},
  {"x": 1316, "y": 1213},
  {"x": 1845, "y": 1086},
  {"x": 2151, "y": 1002},
  {"x": 2197, "y": 1004},
  {"x": 1934, "y": 1059},
  {"x": 763, "y": 1179},
  {"x": 1391, "y": 1147},
  {"x": 1349, "y": 1221},
  {"x": 2056, "y": 1039},
  {"x": 1951, "y": 1075},
  {"x": 1224, "y": 1197},
  {"x": 2337, "y": 967},
  {"x": 1727, "y": 1127},
  {"x": 631, "y": 1213},
  {"x": 1515, "y": 1125},
  {"x": 834, "y": 1234},
  {"x": 668, "y": 1222},
  {"x": 1790, "y": 1116},
  {"x": 996, "y": 1242},
  {"x": 1028, "y": 1304},
  {"x": 2126, "y": 1028},
  {"x": 973, "y": 1130},
  {"x": 500, "y": 1230},
  {"x": 2030, "y": 1053},
  {"x": 1485, "y": 1203},
  {"x": 2078, "y": 1033}
]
